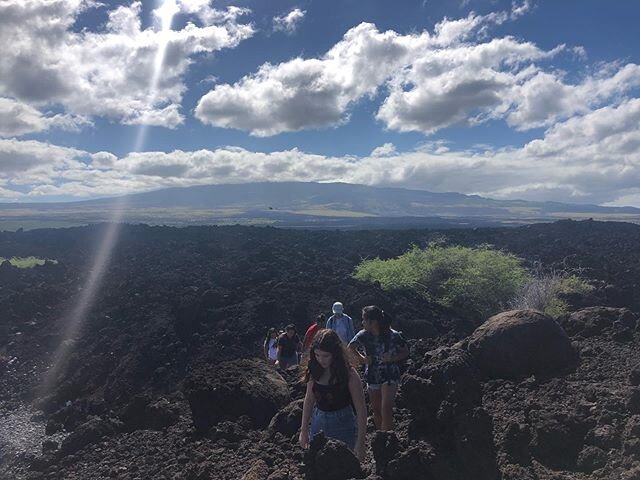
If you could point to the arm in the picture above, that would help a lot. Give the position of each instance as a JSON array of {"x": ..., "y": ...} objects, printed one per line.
[
  {"x": 357, "y": 396},
  {"x": 352, "y": 331},
  {"x": 361, "y": 359},
  {"x": 307, "y": 408}
]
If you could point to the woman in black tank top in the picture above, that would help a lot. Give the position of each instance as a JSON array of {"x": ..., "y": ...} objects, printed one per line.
[{"x": 334, "y": 391}]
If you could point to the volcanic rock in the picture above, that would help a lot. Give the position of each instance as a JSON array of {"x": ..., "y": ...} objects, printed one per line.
[
  {"x": 520, "y": 343},
  {"x": 144, "y": 413},
  {"x": 412, "y": 464},
  {"x": 605, "y": 437},
  {"x": 287, "y": 421},
  {"x": 591, "y": 321},
  {"x": 330, "y": 460},
  {"x": 558, "y": 439},
  {"x": 86, "y": 434},
  {"x": 385, "y": 446},
  {"x": 259, "y": 471},
  {"x": 591, "y": 458},
  {"x": 235, "y": 388}
]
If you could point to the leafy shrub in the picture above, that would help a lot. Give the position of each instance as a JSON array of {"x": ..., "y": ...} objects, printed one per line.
[
  {"x": 26, "y": 262},
  {"x": 480, "y": 280}
]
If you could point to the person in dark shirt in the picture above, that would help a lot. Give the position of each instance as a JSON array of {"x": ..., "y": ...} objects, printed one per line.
[
  {"x": 288, "y": 347},
  {"x": 333, "y": 392},
  {"x": 384, "y": 349}
]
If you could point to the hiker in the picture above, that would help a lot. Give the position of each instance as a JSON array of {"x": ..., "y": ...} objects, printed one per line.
[
  {"x": 385, "y": 349},
  {"x": 341, "y": 323},
  {"x": 271, "y": 346},
  {"x": 321, "y": 322},
  {"x": 288, "y": 347},
  {"x": 334, "y": 390}
]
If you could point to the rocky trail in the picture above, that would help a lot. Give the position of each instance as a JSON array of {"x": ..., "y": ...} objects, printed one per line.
[{"x": 165, "y": 381}]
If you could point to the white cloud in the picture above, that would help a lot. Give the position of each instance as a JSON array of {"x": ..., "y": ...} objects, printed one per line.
[
  {"x": 310, "y": 93},
  {"x": 107, "y": 73},
  {"x": 594, "y": 158},
  {"x": 18, "y": 118},
  {"x": 384, "y": 150},
  {"x": 457, "y": 75},
  {"x": 288, "y": 23}
]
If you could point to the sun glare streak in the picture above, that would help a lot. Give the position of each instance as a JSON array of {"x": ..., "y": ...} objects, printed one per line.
[
  {"x": 74, "y": 320},
  {"x": 164, "y": 14}
]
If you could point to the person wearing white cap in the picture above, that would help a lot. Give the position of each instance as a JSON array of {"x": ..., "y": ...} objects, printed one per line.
[{"x": 341, "y": 323}]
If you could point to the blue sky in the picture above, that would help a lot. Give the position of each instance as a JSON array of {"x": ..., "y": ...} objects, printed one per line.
[{"x": 536, "y": 100}]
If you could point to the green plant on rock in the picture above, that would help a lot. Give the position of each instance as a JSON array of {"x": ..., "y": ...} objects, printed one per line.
[{"x": 480, "y": 280}]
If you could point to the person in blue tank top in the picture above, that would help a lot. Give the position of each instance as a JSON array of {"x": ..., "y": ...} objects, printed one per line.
[{"x": 334, "y": 391}]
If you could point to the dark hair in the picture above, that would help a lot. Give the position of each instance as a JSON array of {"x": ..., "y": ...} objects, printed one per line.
[
  {"x": 321, "y": 318},
  {"x": 328, "y": 341},
  {"x": 291, "y": 326},
  {"x": 375, "y": 314}
]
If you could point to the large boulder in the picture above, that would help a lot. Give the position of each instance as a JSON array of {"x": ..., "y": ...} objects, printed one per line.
[
  {"x": 228, "y": 390},
  {"x": 521, "y": 343}
]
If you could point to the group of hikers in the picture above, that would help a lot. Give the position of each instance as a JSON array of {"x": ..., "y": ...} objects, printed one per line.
[{"x": 334, "y": 401}]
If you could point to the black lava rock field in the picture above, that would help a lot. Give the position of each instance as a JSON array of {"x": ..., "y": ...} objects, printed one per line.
[{"x": 154, "y": 370}]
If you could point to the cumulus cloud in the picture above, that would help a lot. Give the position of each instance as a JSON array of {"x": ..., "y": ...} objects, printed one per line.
[
  {"x": 384, "y": 150},
  {"x": 288, "y": 23},
  {"x": 108, "y": 73},
  {"x": 18, "y": 118},
  {"x": 593, "y": 158},
  {"x": 458, "y": 75},
  {"x": 310, "y": 93}
]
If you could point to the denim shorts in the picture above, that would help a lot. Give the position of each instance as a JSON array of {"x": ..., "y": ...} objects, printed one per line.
[{"x": 338, "y": 424}]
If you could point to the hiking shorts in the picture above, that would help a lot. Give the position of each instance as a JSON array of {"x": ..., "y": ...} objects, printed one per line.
[{"x": 378, "y": 386}]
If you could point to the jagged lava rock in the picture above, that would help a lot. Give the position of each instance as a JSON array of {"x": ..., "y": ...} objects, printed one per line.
[
  {"x": 235, "y": 388},
  {"x": 520, "y": 343},
  {"x": 591, "y": 321},
  {"x": 330, "y": 460},
  {"x": 288, "y": 420}
]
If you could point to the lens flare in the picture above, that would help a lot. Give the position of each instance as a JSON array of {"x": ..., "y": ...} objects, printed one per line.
[
  {"x": 164, "y": 14},
  {"x": 74, "y": 320}
]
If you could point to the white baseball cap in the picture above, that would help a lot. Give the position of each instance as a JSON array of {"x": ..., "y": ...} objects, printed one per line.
[{"x": 337, "y": 308}]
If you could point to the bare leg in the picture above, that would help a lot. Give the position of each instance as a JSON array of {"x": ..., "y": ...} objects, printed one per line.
[
  {"x": 376, "y": 405},
  {"x": 388, "y": 399}
]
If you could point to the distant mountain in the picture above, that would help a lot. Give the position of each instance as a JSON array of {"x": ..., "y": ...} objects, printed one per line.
[{"x": 300, "y": 204}]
